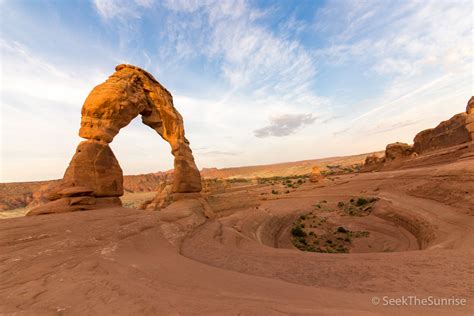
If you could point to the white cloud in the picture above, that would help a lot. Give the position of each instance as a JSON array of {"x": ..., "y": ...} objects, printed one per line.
[
  {"x": 253, "y": 58},
  {"x": 40, "y": 113},
  {"x": 109, "y": 9},
  {"x": 284, "y": 125},
  {"x": 421, "y": 48}
]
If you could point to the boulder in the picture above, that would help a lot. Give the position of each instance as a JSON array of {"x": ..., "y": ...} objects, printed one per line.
[
  {"x": 373, "y": 163},
  {"x": 316, "y": 175},
  {"x": 398, "y": 151}
]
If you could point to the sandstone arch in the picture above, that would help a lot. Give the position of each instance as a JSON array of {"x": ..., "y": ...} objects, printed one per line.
[{"x": 94, "y": 177}]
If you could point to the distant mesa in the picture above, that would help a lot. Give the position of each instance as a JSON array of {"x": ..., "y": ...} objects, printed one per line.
[{"x": 94, "y": 178}]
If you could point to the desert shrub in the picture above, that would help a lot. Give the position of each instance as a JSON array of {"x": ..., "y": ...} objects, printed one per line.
[
  {"x": 341, "y": 229},
  {"x": 340, "y": 204},
  {"x": 297, "y": 231},
  {"x": 361, "y": 201}
]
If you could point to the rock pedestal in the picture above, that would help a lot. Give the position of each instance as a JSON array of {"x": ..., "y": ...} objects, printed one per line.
[{"x": 316, "y": 175}]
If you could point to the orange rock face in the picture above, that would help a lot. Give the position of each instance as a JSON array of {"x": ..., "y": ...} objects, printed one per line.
[
  {"x": 373, "y": 163},
  {"x": 131, "y": 91},
  {"x": 94, "y": 171},
  {"x": 455, "y": 131},
  {"x": 316, "y": 175},
  {"x": 94, "y": 166},
  {"x": 398, "y": 151},
  {"x": 470, "y": 117}
]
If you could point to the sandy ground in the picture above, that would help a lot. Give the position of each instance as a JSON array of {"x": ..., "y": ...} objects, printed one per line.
[{"x": 119, "y": 261}]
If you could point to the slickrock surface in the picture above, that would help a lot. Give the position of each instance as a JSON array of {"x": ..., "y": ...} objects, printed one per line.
[{"x": 240, "y": 262}]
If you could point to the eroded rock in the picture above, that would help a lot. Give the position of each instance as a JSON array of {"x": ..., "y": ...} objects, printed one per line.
[
  {"x": 316, "y": 175},
  {"x": 455, "y": 131},
  {"x": 398, "y": 151},
  {"x": 373, "y": 163},
  {"x": 94, "y": 173}
]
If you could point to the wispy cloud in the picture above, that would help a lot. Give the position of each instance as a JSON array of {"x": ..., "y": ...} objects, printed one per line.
[
  {"x": 121, "y": 8},
  {"x": 253, "y": 58},
  {"x": 372, "y": 71},
  {"x": 420, "y": 49},
  {"x": 284, "y": 125}
]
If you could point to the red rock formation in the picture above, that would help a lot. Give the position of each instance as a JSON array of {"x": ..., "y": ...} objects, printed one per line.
[
  {"x": 373, "y": 163},
  {"x": 455, "y": 131},
  {"x": 470, "y": 117},
  {"x": 398, "y": 151},
  {"x": 95, "y": 166},
  {"x": 94, "y": 177},
  {"x": 316, "y": 175}
]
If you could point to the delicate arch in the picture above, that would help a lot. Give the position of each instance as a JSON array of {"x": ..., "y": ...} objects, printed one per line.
[
  {"x": 94, "y": 178},
  {"x": 130, "y": 92}
]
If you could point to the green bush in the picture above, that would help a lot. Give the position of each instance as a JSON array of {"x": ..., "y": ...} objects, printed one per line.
[
  {"x": 341, "y": 229},
  {"x": 297, "y": 231}
]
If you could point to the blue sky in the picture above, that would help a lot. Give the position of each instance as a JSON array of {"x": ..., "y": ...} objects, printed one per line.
[{"x": 256, "y": 81}]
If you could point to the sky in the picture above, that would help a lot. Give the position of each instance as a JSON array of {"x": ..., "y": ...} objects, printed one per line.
[{"x": 256, "y": 82}]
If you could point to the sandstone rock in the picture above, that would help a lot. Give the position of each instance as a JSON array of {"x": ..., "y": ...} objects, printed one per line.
[
  {"x": 94, "y": 177},
  {"x": 82, "y": 200},
  {"x": 94, "y": 166},
  {"x": 73, "y": 204},
  {"x": 131, "y": 91},
  {"x": 75, "y": 191},
  {"x": 470, "y": 118},
  {"x": 398, "y": 151},
  {"x": 62, "y": 205},
  {"x": 163, "y": 197},
  {"x": 316, "y": 175},
  {"x": 373, "y": 163},
  {"x": 448, "y": 133},
  {"x": 470, "y": 106}
]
